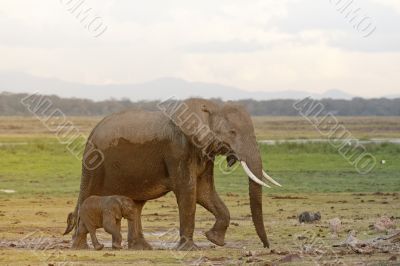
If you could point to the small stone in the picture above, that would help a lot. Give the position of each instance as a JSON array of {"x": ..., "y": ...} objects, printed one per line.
[{"x": 384, "y": 223}]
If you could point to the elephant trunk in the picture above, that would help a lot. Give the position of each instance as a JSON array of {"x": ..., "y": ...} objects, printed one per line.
[{"x": 255, "y": 192}]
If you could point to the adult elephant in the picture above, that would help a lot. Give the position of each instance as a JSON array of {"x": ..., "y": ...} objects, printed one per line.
[{"x": 145, "y": 155}]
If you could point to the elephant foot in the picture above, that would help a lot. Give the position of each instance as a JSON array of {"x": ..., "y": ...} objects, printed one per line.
[
  {"x": 79, "y": 242},
  {"x": 116, "y": 246},
  {"x": 99, "y": 247},
  {"x": 186, "y": 245},
  {"x": 139, "y": 244},
  {"x": 215, "y": 237},
  {"x": 82, "y": 245}
]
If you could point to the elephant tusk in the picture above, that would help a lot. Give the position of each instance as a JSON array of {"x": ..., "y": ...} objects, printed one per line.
[
  {"x": 271, "y": 179},
  {"x": 252, "y": 176}
]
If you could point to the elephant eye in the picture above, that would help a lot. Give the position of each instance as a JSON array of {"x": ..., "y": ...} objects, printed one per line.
[{"x": 232, "y": 132}]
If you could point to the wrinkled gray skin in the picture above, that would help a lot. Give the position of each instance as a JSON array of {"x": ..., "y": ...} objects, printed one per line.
[
  {"x": 148, "y": 154},
  {"x": 104, "y": 212}
]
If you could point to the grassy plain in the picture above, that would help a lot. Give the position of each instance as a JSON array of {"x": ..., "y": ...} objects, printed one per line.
[
  {"x": 315, "y": 177},
  {"x": 267, "y": 127}
]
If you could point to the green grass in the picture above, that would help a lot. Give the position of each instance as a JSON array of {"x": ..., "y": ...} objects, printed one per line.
[
  {"x": 44, "y": 166},
  {"x": 46, "y": 177},
  {"x": 318, "y": 167}
]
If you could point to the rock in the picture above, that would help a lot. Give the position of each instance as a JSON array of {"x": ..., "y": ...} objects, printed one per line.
[
  {"x": 249, "y": 254},
  {"x": 383, "y": 224},
  {"x": 335, "y": 225},
  {"x": 309, "y": 217}
]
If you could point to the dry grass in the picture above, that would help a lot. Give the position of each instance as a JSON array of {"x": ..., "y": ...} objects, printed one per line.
[
  {"x": 22, "y": 126},
  {"x": 267, "y": 127},
  {"x": 300, "y": 128}
]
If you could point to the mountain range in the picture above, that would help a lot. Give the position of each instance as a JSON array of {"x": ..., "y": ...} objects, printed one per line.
[{"x": 158, "y": 89}]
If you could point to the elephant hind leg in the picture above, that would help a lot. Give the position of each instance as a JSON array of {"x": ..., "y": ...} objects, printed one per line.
[
  {"x": 91, "y": 183},
  {"x": 80, "y": 238}
]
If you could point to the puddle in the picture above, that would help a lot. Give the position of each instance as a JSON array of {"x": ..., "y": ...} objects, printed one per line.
[{"x": 8, "y": 191}]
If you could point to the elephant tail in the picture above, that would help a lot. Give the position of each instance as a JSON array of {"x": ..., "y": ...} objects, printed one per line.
[{"x": 71, "y": 222}]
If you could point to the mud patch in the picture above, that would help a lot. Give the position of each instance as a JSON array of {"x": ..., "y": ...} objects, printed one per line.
[
  {"x": 36, "y": 243},
  {"x": 166, "y": 240}
]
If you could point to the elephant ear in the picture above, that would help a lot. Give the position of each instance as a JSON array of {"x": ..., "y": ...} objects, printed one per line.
[
  {"x": 193, "y": 118},
  {"x": 118, "y": 210}
]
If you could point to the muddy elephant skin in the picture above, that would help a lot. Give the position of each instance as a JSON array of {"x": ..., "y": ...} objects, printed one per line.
[
  {"x": 104, "y": 212},
  {"x": 148, "y": 154}
]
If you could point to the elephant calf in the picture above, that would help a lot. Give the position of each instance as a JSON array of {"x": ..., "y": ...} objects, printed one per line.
[{"x": 104, "y": 212}]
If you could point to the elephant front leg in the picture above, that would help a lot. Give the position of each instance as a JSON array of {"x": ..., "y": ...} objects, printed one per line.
[
  {"x": 216, "y": 206},
  {"x": 95, "y": 241},
  {"x": 110, "y": 225},
  {"x": 186, "y": 198},
  {"x": 209, "y": 199},
  {"x": 136, "y": 239},
  {"x": 118, "y": 228}
]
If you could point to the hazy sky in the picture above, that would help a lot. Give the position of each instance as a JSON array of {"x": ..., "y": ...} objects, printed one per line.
[{"x": 268, "y": 45}]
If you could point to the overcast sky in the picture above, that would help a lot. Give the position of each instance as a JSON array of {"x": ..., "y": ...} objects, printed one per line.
[{"x": 267, "y": 45}]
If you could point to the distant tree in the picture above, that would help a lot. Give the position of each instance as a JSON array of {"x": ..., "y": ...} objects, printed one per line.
[{"x": 10, "y": 105}]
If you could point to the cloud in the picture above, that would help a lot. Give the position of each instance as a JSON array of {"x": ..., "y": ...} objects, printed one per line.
[
  {"x": 232, "y": 46},
  {"x": 392, "y": 4},
  {"x": 265, "y": 44}
]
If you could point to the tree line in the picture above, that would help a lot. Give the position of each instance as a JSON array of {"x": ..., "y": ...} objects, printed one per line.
[{"x": 10, "y": 105}]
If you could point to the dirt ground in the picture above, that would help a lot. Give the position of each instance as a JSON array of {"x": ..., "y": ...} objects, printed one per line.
[{"x": 31, "y": 232}]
